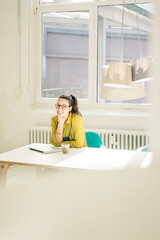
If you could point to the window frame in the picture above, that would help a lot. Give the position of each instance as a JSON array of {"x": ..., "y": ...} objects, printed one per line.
[
  {"x": 92, "y": 8},
  {"x": 61, "y": 8}
]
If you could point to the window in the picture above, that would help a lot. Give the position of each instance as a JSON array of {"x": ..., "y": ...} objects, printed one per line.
[
  {"x": 76, "y": 40},
  {"x": 136, "y": 29},
  {"x": 65, "y": 54}
]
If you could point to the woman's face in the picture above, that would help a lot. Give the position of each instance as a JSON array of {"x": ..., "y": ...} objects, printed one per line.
[{"x": 63, "y": 108}]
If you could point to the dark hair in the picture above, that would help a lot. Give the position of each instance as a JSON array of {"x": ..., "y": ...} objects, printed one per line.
[{"x": 73, "y": 102}]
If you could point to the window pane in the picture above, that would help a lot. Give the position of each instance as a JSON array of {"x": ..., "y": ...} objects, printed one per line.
[
  {"x": 136, "y": 31},
  {"x": 62, "y": 1},
  {"x": 65, "y": 54}
]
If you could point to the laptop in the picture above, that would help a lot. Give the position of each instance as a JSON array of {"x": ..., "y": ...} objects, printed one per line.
[{"x": 44, "y": 148}]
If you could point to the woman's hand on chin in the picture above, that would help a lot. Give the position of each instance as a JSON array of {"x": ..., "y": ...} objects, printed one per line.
[{"x": 61, "y": 119}]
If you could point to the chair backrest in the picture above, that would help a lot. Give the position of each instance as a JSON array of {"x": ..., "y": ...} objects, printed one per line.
[
  {"x": 94, "y": 140},
  {"x": 143, "y": 149}
]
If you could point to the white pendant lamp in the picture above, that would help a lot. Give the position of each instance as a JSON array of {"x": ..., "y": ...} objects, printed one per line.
[
  {"x": 141, "y": 67},
  {"x": 119, "y": 94},
  {"x": 119, "y": 74}
]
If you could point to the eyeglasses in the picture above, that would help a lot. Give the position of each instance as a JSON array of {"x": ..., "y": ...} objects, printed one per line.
[{"x": 63, "y": 107}]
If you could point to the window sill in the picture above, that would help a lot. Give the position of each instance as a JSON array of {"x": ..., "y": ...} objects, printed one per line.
[{"x": 101, "y": 110}]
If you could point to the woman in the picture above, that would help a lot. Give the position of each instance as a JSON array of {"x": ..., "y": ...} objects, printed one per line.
[{"x": 67, "y": 126}]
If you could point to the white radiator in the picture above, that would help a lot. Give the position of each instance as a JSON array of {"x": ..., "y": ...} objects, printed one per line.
[{"x": 112, "y": 138}]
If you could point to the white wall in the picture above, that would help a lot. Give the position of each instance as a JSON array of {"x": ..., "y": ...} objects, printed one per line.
[
  {"x": 14, "y": 118},
  {"x": 16, "y": 113}
]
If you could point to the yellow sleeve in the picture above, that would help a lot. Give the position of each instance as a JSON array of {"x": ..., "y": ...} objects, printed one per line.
[
  {"x": 54, "y": 127},
  {"x": 79, "y": 133}
]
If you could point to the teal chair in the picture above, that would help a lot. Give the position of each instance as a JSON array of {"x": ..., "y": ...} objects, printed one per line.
[
  {"x": 143, "y": 149},
  {"x": 94, "y": 140}
]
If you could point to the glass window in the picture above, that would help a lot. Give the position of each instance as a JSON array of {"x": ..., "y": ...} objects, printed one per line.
[
  {"x": 136, "y": 29},
  {"x": 77, "y": 40},
  {"x": 65, "y": 54}
]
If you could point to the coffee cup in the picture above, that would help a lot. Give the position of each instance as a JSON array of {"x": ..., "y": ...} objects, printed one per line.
[{"x": 65, "y": 147}]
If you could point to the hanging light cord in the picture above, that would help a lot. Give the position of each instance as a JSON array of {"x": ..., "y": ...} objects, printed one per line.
[
  {"x": 139, "y": 40},
  {"x": 122, "y": 34}
]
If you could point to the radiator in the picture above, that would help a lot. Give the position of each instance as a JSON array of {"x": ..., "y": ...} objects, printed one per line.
[{"x": 112, "y": 138}]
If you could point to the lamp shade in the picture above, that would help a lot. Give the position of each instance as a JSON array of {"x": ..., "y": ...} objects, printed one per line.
[
  {"x": 142, "y": 69},
  {"x": 136, "y": 90},
  {"x": 118, "y": 75}
]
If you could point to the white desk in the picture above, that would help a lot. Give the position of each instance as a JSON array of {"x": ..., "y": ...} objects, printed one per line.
[{"x": 98, "y": 159}]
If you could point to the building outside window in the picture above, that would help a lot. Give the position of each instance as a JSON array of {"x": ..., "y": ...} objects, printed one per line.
[{"x": 65, "y": 54}]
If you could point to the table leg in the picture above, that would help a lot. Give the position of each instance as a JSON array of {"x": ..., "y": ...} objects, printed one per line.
[
  {"x": 38, "y": 171},
  {"x": 3, "y": 175}
]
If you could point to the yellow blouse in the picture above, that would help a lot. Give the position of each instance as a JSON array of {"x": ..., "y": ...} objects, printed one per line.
[{"x": 77, "y": 131}]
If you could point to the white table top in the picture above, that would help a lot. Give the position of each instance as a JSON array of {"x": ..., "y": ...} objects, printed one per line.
[{"x": 100, "y": 159}]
